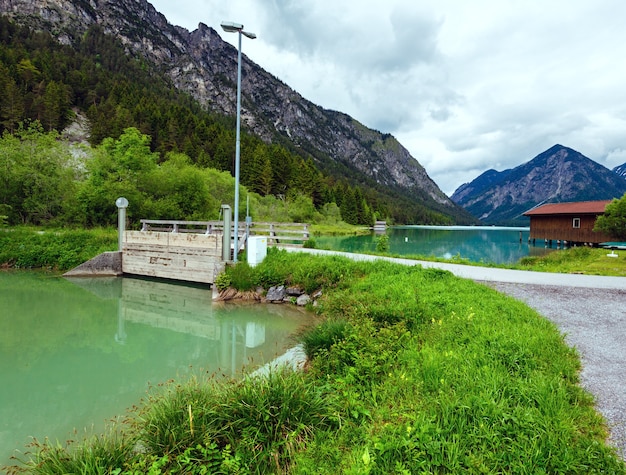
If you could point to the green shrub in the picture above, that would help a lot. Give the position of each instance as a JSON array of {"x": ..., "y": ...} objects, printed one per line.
[
  {"x": 222, "y": 281},
  {"x": 241, "y": 276},
  {"x": 309, "y": 244},
  {"x": 382, "y": 243}
]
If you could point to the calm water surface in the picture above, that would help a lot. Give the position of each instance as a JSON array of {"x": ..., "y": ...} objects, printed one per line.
[
  {"x": 74, "y": 354},
  {"x": 475, "y": 243}
]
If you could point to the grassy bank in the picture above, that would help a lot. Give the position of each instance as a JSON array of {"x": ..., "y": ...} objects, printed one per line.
[
  {"x": 411, "y": 371},
  {"x": 339, "y": 229},
  {"x": 578, "y": 260},
  {"x": 53, "y": 249}
]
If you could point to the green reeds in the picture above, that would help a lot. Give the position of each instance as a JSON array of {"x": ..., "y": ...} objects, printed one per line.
[{"x": 264, "y": 420}]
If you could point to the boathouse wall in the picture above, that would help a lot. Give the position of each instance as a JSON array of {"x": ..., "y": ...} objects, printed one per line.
[{"x": 571, "y": 228}]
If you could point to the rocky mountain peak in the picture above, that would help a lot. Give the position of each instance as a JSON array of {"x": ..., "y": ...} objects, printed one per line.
[{"x": 560, "y": 174}]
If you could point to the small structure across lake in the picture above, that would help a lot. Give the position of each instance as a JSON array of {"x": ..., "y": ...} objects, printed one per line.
[{"x": 567, "y": 223}]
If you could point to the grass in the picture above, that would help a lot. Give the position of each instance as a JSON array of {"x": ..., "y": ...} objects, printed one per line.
[
  {"x": 338, "y": 229},
  {"x": 411, "y": 371},
  {"x": 53, "y": 249},
  {"x": 578, "y": 260}
]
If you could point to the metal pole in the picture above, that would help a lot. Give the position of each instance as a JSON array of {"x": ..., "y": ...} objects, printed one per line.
[
  {"x": 122, "y": 204},
  {"x": 121, "y": 227},
  {"x": 232, "y": 27},
  {"x": 226, "y": 235},
  {"x": 237, "y": 152}
]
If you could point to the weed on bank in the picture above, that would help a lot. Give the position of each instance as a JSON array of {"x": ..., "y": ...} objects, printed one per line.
[{"x": 411, "y": 371}]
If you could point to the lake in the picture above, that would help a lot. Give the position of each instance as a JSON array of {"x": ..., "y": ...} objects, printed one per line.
[
  {"x": 488, "y": 244},
  {"x": 74, "y": 354}
]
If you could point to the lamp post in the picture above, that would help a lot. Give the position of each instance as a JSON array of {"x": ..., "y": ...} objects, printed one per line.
[{"x": 231, "y": 27}]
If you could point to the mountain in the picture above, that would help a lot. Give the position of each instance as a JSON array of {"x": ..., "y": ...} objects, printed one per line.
[
  {"x": 478, "y": 185},
  {"x": 620, "y": 170},
  {"x": 201, "y": 64},
  {"x": 557, "y": 175}
]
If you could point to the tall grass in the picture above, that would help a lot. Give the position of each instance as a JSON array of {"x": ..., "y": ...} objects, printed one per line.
[
  {"x": 58, "y": 249},
  {"x": 263, "y": 421},
  {"x": 99, "y": 454}
]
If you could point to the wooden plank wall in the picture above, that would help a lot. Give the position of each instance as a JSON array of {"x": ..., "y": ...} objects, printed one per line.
[
  {"x": 561, "y": 228},
  {"x": 189, "y": 257}
]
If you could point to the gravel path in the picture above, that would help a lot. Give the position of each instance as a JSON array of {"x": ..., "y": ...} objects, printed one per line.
[{"x": 594, "y": 322}]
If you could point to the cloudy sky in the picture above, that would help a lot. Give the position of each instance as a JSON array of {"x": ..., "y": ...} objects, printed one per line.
[{"x": 465, "y": 86}]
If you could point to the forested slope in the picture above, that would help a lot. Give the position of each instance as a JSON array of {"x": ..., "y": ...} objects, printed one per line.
[{"x": 97, "y": 79}]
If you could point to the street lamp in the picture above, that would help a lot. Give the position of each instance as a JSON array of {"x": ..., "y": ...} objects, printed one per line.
[{"x": 231, "y": 27}]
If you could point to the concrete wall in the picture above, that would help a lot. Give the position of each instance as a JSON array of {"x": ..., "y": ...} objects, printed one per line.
[{"x": 106, "y": 264}]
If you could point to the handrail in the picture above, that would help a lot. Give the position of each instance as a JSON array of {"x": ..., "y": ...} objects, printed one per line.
[{"x": 274, "y": 231}]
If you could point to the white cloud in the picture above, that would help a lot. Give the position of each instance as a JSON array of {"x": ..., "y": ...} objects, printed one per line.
[{"x": 465, "y": 86}]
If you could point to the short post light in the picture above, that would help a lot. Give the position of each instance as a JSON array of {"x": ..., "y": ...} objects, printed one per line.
[
  {"x": 231, "y": 27},
  {"x": 122, "y": 204}
]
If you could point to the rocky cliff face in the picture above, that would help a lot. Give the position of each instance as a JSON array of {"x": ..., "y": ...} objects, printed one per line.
[
  {"x": 202, "y": 64},
  {"x": 557, "y": 175}
]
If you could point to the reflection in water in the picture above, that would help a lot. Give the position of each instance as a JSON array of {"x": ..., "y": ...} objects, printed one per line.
[
  {"x": 474, "y": 243},
  {"x": 73, "y": 354}
]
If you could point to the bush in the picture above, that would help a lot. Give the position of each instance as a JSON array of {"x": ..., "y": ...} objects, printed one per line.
[
  {"x": 240, "y": 276},
  {"x": 382, "y": 243},
  {"x": 222, "y": 281}
]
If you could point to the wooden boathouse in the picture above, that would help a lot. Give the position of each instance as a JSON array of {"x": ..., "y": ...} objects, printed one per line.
[{"x": 567, "y": 223}]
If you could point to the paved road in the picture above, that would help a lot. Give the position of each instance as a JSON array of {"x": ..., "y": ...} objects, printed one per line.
[{"x": 589, "y": 310}]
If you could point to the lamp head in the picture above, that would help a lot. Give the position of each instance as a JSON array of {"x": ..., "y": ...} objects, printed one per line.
[{"x": 232, "y": 27}]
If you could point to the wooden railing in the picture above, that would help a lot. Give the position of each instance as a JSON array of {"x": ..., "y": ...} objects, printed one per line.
[
  {"x": 172, "y": 226},
  {"x": 281, "y": 232},
  {"x": 276, "y": 232}
]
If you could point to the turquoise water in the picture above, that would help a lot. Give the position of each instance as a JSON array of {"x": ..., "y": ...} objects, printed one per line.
[
  {"x": 74, "y": 354},
  {"x": 475, "y": 243}
]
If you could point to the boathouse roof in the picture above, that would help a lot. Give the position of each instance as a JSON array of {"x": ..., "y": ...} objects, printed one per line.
[{"x": 578, "y": 207}]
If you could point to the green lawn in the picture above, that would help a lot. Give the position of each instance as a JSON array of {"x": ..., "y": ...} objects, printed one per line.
[{"x": 579, "y": 260}]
